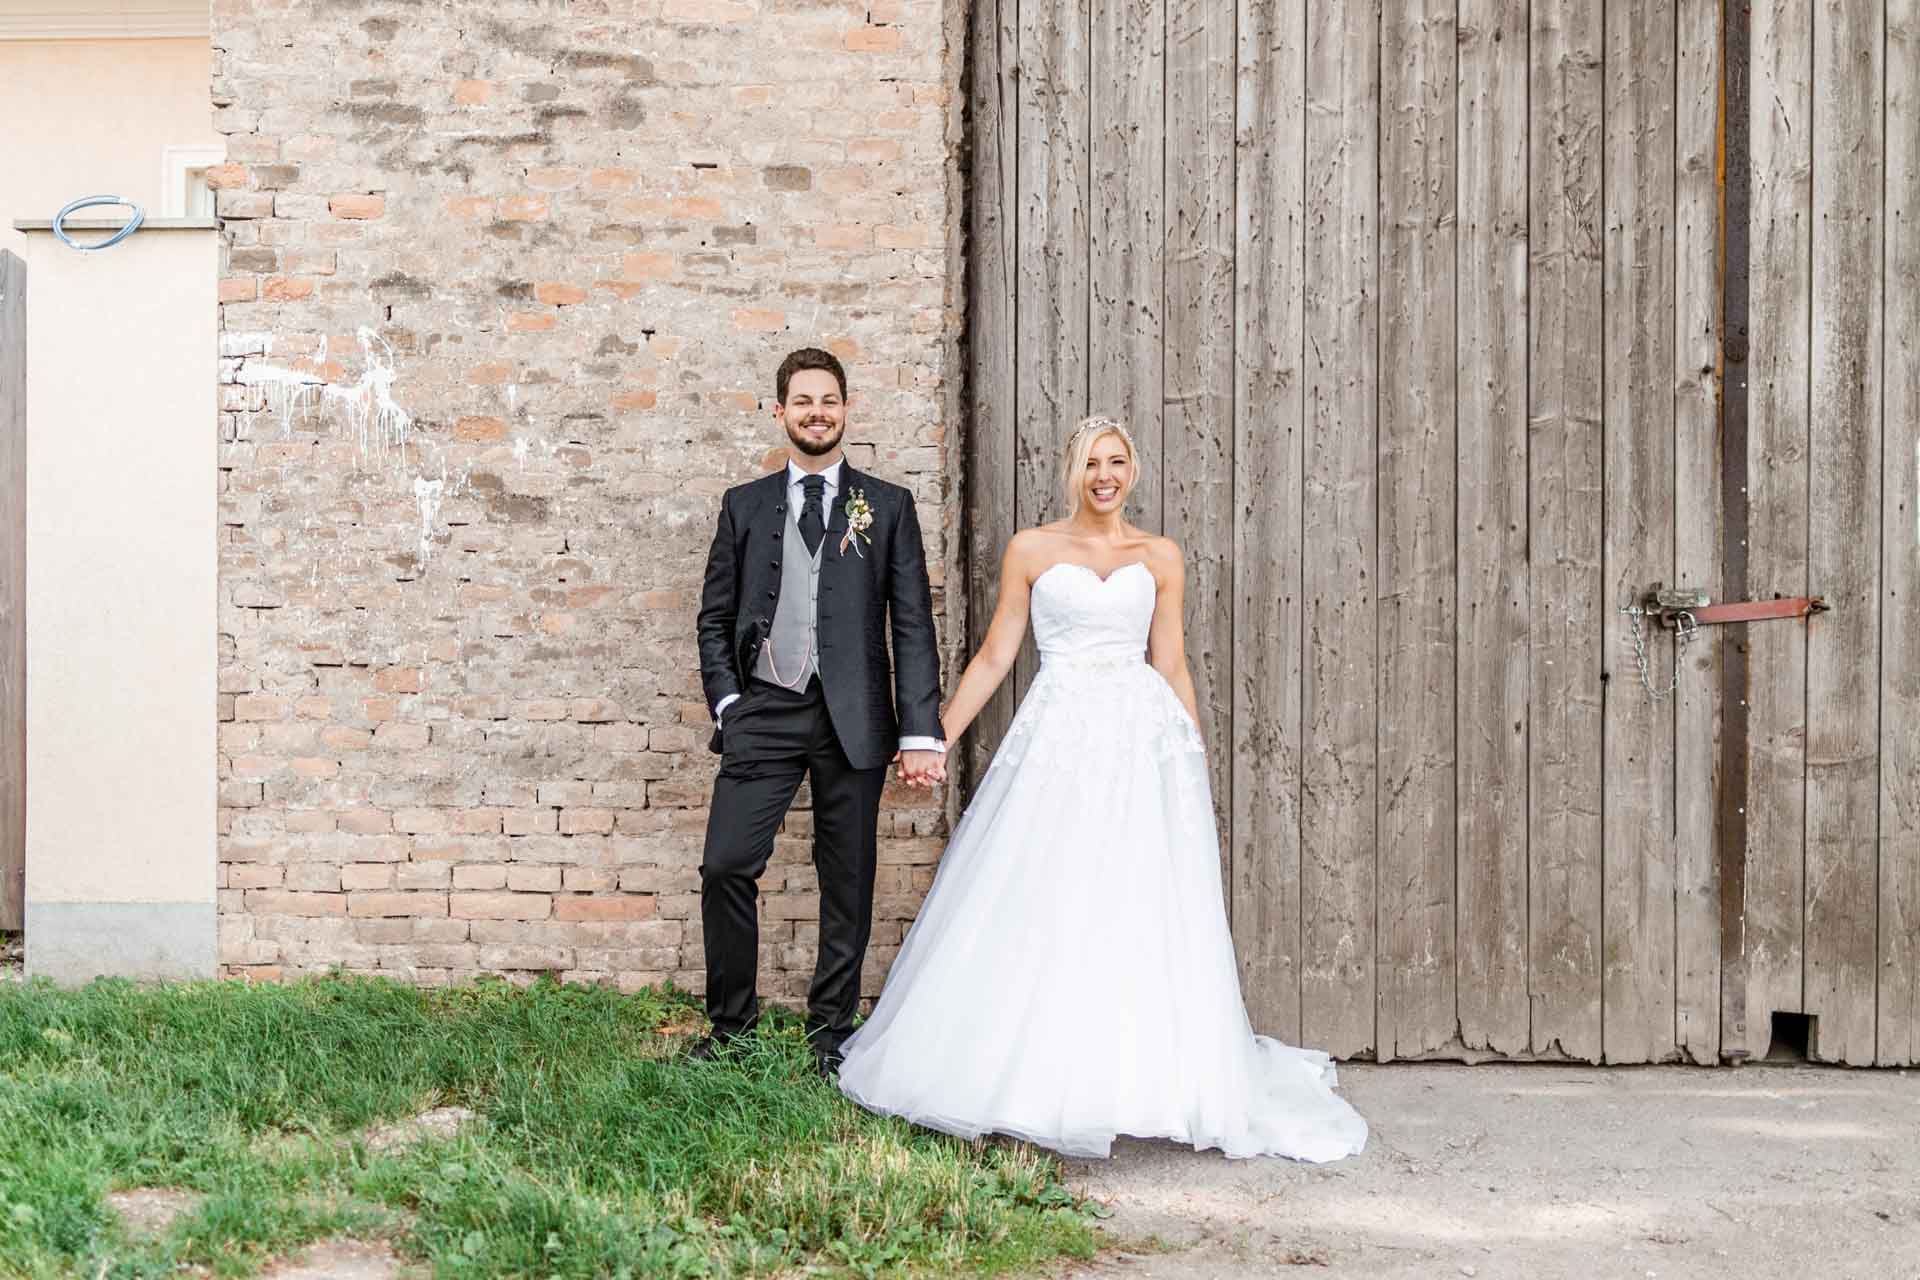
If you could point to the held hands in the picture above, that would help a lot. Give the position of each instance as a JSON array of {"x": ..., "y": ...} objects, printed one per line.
[{"x": 921, "y": 768}]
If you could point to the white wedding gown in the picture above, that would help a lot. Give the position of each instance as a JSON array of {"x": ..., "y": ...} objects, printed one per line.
[{"x": 1070, "y": 976}]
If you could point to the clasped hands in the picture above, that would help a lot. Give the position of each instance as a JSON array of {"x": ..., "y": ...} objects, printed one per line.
[{"x": 921, "y": 768}]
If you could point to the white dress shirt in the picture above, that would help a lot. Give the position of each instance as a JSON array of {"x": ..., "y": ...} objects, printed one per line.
[{"x": 796, "y": 496}]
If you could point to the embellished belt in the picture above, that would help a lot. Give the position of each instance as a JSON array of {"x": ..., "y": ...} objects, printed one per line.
[{"x": 1095, "y": 659}]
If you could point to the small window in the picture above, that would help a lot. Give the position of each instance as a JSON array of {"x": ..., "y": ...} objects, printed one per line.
[{"x": 184, "y": 192}]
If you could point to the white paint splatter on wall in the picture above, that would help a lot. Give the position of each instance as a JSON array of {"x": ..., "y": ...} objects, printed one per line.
[
  {"x": 381, "y": 428},
  {"x": 289, "y": 391},
  {"x": 427, "y": 496},
  {"x": 380, "y": 425}
]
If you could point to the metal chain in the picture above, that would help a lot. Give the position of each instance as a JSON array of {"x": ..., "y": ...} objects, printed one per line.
[{"x": 1684, "y": 629}]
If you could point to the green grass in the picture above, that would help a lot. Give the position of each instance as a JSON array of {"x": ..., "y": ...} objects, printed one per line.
[{"x": 595, "y": 1151}]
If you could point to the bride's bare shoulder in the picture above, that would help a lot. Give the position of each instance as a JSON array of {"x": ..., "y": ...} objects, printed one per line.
[
  {"x": 1038, "y": 540},
  {"x": 1164, "y": 557},
  {"x": 1163, "y": 549},
  {"x": 1029, "y": 550}
]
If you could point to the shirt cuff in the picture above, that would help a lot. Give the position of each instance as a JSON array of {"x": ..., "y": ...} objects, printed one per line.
[
  {"x": 722, "y": 705},
  {"x": 921, "y": 744}
]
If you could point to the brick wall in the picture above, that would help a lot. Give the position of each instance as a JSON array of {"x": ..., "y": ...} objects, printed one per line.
[{"x": 503, "y": 289}]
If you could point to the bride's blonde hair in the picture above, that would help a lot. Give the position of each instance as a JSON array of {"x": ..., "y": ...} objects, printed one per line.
[{"x": 1080, "y": 444}]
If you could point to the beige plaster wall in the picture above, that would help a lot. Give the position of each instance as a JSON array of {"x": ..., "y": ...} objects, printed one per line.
[
  {"x": 122, "y": 478},
  {"x": 121, "y": 564},
  {"x": 84, "y": 117}
]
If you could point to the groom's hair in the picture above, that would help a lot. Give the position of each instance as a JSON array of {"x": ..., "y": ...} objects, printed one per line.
[{"x": 808, "y": 358}]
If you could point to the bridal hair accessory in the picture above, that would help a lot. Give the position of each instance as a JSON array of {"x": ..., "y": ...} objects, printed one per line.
[
  {"x": 859, "y": 520},
  {"x": 1098, "y": 425}
]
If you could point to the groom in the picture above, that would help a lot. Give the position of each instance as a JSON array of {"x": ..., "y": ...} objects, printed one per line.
[{"x": 809, "y": 567}]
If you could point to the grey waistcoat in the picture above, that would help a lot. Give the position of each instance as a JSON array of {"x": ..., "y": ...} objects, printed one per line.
[{"x": 793, "y": 647}]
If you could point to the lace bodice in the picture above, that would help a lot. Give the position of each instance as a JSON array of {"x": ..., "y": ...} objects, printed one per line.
[{"x": 1078, "y": 615}]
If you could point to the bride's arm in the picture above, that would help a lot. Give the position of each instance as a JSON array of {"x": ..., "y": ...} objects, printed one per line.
[
  {"x": 1166, "y": 641},
  {"x": 995, "y": 658}
]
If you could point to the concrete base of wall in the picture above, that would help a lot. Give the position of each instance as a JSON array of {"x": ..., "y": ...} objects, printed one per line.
[{"x": 75, "y": 942}]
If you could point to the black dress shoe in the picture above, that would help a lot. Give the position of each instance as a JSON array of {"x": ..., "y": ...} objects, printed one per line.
[
  {"x": 828, "y": 1065},
  {"x": 712, "y": 1049}
]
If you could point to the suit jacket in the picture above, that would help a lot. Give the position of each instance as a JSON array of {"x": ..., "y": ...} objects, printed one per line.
[{"x": 864, "y": 593}]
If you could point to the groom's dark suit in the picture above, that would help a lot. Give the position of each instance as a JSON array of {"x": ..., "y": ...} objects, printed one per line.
[{"x": 842, "y": 728}]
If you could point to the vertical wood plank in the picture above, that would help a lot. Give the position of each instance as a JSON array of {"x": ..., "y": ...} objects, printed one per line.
[
  {"x": 1127, "y": 254},
  {"x": 1565, "y": 528},
  {"x": 1416, "y": 540},
  {"x": 1698, "y": 527},
  {"x": 1495, "y": 595},
  {"x": 993, "y": 263},
  {"x": 1052, "y": 300},
  {"x": 1199, "y": 356},
  {"x": 1637, "y": 814},
  {"x": 1897, "y": 1034},
  {"x": 1777, "y": 514},
  {"x": 1843, "y": 649},
  {"x": 1339, "y": 509},
  {"x": 1269, "y": 408},
  {"x": 13, "y": 590}
]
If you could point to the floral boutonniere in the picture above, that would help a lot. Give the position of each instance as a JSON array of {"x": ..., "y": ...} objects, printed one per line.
[{"x": 859, "y": 520}]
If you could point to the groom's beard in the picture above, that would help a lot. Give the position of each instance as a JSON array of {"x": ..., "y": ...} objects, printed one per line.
[{"x": 811, "y": 447}]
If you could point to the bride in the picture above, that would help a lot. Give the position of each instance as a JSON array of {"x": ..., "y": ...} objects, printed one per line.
[{"x": 1070, "y": 976}]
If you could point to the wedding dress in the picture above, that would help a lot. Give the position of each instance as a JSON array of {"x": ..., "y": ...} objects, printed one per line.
[{"x": 1070, "y": 976}]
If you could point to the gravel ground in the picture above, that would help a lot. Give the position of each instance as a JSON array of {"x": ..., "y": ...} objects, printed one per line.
[{"x": 1548, "y": 1171}]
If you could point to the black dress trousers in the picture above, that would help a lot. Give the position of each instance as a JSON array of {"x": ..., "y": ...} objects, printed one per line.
[{"x": 773, "y": 737}]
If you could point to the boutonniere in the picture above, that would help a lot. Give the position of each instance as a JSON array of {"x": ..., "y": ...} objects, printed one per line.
[{"x": 859, "y": 520}]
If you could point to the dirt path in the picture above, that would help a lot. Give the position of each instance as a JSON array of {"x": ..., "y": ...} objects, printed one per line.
[{"x": 1551, "y": 1172}]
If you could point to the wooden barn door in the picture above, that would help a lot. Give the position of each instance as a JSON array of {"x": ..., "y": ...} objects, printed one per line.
[{"x": 1416, "y": 307}]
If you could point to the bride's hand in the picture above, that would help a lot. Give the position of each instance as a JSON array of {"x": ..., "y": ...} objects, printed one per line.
[{"x": 921, "y": 768}]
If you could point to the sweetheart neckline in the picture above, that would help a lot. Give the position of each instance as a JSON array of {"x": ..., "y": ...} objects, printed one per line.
[{"x": 1103, "y": 580}]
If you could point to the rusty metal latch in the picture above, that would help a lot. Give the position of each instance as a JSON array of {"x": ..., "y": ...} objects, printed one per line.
[{"x": 1684, "y": 610}]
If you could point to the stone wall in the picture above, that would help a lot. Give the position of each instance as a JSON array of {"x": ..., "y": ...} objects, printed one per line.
[{"x": 503, "y": 291}]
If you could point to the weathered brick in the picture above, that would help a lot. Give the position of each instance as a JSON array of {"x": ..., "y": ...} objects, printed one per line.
[
  {"x": 873, "y": 39},
  {"x": 417, "y": 874},
  {"x": 243, "y": 204},
  {"x": 357, "y": 206},
  {"x": 625, "y": 907},
  {"x": 480, "y": 876},
  {"x": 526, "y": 957},
  {"x": 366, "y": 875},
  {"x": 420, "y": 821},
  {"x": 586, "y": 821},
  {"x": 398, "y": 680},
  {"x": 589, "y": 879},
  {"x": 253, "y": 875},
  {"x": 366, "y": 821},
  {"x": 537, "y": 879},
  {"x": 530, "y": 822},
  {"x": 566, "y": 793},
  {"x": 397, "y": 904},
  {"x": 286, "y": 289},
  {"x": 280, "y": 902},
  {"x": 502, "y": 906},
  {"x": 254, "y": 706}
]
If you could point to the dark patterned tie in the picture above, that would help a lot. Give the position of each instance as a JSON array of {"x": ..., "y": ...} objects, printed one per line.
[{"x": 813, "y": 524}]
